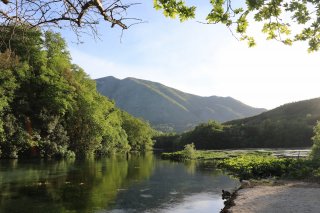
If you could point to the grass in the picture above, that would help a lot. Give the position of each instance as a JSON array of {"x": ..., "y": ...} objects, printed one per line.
[
  {"x": 257, "y": 167},
  {"x": 212, "y": 154},
  {"x": 256, "y": 164}
]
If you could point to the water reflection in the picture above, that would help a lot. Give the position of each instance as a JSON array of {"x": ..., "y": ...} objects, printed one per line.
[
  {"x": 172, "y": 187},
  {"x": 116, "y": 184},
  {"x": 200, "y": 203}
]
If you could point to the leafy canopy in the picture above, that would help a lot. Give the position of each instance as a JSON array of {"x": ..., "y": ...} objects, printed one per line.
[
  {"x": 287, "y": 21},
  {"x": 50, "y": 107},
  {"x": 279, "y": 18},
  {"x": 315, "y": 152}
]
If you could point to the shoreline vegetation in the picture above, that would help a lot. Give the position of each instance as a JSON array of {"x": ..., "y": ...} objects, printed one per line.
[
  {"x": 258, "y": 165},
  {"x": 262, "y": 173},
  {"x": 255, "y": 164}
]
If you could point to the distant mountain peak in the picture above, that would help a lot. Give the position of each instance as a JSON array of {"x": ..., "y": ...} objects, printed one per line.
[{"x": 167, "y": 108}]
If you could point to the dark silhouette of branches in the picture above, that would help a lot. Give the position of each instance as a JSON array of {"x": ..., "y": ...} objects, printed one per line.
[{"x": 79, "y": 15}]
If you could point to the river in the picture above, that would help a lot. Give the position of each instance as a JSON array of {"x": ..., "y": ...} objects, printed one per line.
[{"x": 141, "y": 183}]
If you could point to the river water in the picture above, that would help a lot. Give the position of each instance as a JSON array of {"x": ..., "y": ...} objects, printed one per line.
[{"x": 140, "y": 183}]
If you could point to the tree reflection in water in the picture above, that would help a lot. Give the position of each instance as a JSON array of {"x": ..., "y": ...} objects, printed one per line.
[
  {"x": 69, "y": 186},
  {"x": 139, "y": 183}
]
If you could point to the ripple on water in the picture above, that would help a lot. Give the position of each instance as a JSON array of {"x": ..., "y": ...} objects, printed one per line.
[{"x": 146, "y": 196}]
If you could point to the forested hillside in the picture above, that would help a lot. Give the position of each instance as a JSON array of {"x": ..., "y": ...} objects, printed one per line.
[
  {"x": 168, "y": 109},
  {"x": 306, "y": 110},
  {"x": 50, "y": 107},
  {"x": 287, "y": 126}
]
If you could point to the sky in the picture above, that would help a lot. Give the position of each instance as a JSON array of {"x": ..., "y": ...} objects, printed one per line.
[{"x": 200, "y": 59}]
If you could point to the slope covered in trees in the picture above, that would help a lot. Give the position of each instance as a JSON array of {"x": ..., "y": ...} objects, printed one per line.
[
  {"x": 168, "y": 108},
  {"x": 290, "y": 125},
  {"x": 50, "y": 107}
]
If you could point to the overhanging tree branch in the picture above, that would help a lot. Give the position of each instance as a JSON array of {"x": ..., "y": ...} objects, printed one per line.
[
  {"x": 286, "y": 21},
  {"x": 78, "y": 14}
]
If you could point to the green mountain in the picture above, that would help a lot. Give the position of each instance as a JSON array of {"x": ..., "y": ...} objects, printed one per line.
[
  {"x": 307, "y": 111},
  {"x": 290, "y": 125},
  {"x": 169, "y": 109}
]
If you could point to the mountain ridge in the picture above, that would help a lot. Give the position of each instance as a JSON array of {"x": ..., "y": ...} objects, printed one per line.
[
  {"x": 289, "y": 125},
  {"x": 309, "y": 109},
  {"x": 166, "y": 107}
]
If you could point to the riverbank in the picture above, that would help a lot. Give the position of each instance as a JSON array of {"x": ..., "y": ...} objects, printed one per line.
[
  {"x": 269, "y": 170},
  {"x": 280, "y": 196},
  {"x": 229, "y": 153},
  {"x": 254, "y": 164}
]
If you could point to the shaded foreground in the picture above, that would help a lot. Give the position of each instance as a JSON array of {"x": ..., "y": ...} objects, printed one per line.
[{"x": 285, "y": 197}]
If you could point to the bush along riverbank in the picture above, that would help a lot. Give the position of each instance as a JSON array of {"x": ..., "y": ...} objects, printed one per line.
[
  {"x": 252, "y": 164},
  {"x": 257, "y": 167}
]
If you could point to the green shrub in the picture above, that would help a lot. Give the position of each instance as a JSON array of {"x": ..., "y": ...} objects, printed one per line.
[
  {"x": 315, "y": 152},
  {"x": 70, "y": 154},
  {"x": 254, "y": 166},
  {"x": 189, "y": 151}
]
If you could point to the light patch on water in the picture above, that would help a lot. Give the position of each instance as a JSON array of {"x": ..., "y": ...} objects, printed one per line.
[
  {"x": 117, "y": 211},
  {"x": 174, "y": 193},
  {"x": 200, "y": 203},
  {"x": 146, "y": 196}
]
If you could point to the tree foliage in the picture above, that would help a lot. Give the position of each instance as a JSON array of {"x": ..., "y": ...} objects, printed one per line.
[
  {"x": 51, "y": 108},
  {"x": 286, "y": 21},
  {"x": 315, "y": 152},
  {"x": 78, "y": 15},
  {"x": 287, "y": 126},
  {"x": 189, "y": 151},
  {"x": 279, "y": 18},
  {"x": 138, "y": 132},
  {"x": 267, "y": 134}
]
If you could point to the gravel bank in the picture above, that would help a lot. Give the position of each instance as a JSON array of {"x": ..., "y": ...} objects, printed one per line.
[{"x": 286, "y": 197}]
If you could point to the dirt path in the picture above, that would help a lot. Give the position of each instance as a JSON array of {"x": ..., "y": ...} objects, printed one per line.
[{"x": 287, "y": 197}]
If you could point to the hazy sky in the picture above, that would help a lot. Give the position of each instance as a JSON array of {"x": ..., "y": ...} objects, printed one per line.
[{"x": 201, "y": 59}]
